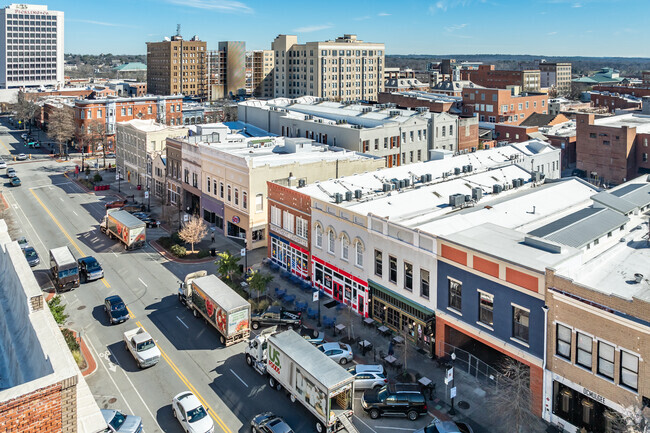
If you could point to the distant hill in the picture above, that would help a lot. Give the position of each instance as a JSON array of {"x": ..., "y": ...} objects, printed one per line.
[{"x": 629, "y": 66}]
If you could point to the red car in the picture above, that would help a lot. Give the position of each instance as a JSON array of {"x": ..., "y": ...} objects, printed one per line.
[{"x": 115, "y": 204}]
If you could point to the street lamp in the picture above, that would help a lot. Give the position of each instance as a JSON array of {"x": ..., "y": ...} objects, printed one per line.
[
  {"x": 149, "y": 196},
  {"x": 119, "y": 179}
]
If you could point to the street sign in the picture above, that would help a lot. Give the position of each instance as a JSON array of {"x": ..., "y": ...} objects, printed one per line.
[
  {"x": 450, "y": 374},
  {"x": 117, "y": 176},
  {"x": 315, "y": 296},
  {"x": 452, "y": 392},
  {"x": 146, "y": 194},
  {"x": 242, "y": 252},
  {"x": 186, "y": 218}
]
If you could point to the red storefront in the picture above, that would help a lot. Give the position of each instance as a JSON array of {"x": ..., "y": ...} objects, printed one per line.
[{"x": 340, "y": 285}]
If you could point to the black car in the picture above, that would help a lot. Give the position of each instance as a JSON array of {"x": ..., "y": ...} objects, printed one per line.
[
  {"x": 115, "y": 309},
  {"x": 90, "y": 269},
  {"x": 395, "y": 399},
  {"x": 269, "y": 423}
]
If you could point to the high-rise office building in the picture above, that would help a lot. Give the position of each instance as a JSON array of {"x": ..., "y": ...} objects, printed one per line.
[
  {"x": 176, "y": 66},
  {"x": 344, "y": 69},
  {"x": 260, "y": 67},
  {"x": 31, "y": 46},
  {"x": 556, "y": 76},
  {"x": 227, "y": 70}
]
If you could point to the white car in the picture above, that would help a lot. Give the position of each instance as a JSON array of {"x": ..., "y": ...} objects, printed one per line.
[
  {"x": 21, "y": 157},
  {"x": 3, "y": 164},
  {"x": 368, "y": 376},
  {"x": 339, "y": 352},
  {"x": 189, "y": 411},
  {"x": 23, "y": 136}
]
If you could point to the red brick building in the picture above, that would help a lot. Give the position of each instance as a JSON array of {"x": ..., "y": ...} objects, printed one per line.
[
  {"x": 613, "y": 149},
  {"x": 286, "y": 249},
  {"x": 98, "y": 117},
  {"x": 514, "y": 133},
  {"x": 624, "y": 90},
  {"x": 468, "y": 134},
  {"x": 499, "y": 105},
  {"x": 489, "y": 76},
  {"x": 615, "y": 101},
  {"x": 436, "y": 103}
]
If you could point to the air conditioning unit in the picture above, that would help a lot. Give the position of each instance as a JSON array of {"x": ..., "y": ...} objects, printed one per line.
[{"x": 497, "y": 188}]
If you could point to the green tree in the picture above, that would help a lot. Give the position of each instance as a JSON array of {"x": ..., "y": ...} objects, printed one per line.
[
  {"x": 259, "y": 282},
  {"x": 227, "y": 265},
  {"x": 57, "y": 310}
]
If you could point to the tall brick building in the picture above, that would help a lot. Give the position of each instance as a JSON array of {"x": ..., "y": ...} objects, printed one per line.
[{"x": 176, "y": 66}]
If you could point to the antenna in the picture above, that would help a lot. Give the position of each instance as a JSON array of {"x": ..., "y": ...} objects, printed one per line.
[{"x": 178, "y": 29}]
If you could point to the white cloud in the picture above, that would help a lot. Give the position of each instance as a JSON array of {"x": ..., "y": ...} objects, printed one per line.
[
  {"x": 443, "y": 5},
  {"x": 551, "y": 33},
  {"x": 455, "y": 27},
  {"x": 314, "y": 28},
  {"x": 217, "y": 5},
  {"x": 577, "y": 5},
  {"x": 363, "y": 18},
  {"x": 383, "y": 14},
  {"x": 99, "y": 23}
]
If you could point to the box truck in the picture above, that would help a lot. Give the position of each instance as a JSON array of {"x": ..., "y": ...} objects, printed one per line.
[{"x": 122, "y": 225}]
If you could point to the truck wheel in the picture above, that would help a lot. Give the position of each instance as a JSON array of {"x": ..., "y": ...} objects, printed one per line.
[
  {"x": 249, "y": 360},
  {"x": 222, "y": 339},
  {"x": 292, "y": 398},
  {"x": 126, "y": 247},
  {"x": 180, "y": 298},
  {"x": 320, "y": 428},
  {"x": 290, "y": 327},
  {"x": 196, "y": 313},
  {"x": 412, "y": 415},
  {"x": 256, "y": 325},
  {"x": 374, "y": 413},
  {"x": 272, "y": 382}
]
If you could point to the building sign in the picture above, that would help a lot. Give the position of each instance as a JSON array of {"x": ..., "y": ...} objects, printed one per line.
[
  {"x": 599, "y": 398},
  {"x": 235, "y": 219},
  {"x": 288, "y": 235}
]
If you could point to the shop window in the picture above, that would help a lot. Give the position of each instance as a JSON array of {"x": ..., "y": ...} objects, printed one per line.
[
  {"x": 424, "y": 283},
  {"x": 563, "y": 342},
  {"x": 258, "y": 235},
  {"x": 606, "y": 360},
  {"x": 379, "y": 265},
  {"x": 520, "y": 319},
  {"x": 486, "y": 308},
  {"x": 455, "y": 294},
  {"x": 629, "y": 370},
  {"x": 392, "y": 269},
  {"x": 585, "y": 348},
  {"x": 408, "y": 276}
]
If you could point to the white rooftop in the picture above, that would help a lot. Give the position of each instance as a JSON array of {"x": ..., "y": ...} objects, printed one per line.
[
  {"x": 149, "y": 125},
  {"x": 640, "y": 121}
]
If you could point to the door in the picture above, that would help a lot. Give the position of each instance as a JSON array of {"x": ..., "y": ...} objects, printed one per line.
[
  {"x": 338, "y": 291},
  {"x": 360, "y": 305}
]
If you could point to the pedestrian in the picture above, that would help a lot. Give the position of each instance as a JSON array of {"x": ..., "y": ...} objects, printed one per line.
[
  {"x": 212, "y": 237},
  {"x": 391, "y": 352}
]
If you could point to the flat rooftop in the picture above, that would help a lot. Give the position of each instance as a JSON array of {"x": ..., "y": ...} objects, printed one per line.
[{"x": 639, "y": 121}]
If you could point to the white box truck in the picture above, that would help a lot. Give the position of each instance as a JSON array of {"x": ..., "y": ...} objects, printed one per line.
[
  {"x": 308, "y": 375},
  {"x": 119, "y": 224},
  {"x": 219, "y": 305}
]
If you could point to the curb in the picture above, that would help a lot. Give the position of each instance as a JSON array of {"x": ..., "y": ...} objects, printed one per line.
[
  {"x": 163, "y": 252},
  {"x": 4, "y": 202},
  {"x": 91, "y": 364}
]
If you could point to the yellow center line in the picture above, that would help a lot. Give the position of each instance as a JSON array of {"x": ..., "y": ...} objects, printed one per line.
[
  {"x": 187, "y": 383},
  {"x": 74, "y": 244},
  {"x": 131, "y": 315},
  {"x": 103, "y": 280}
]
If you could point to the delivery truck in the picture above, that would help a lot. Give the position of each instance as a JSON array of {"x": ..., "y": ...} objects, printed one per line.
[
  {"x": 309, "y": 376},
  {"x": 64, "y": 268},
  {"x": 219, "y": 305},
  {"x": 119, "y": 224}
]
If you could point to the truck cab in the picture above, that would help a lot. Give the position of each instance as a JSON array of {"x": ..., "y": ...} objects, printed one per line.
[
  {"x": 185, "y": 287},
  {"x": 256, "y": 350}
]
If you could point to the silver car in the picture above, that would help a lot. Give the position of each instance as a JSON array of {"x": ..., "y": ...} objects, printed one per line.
[
  {"x": 368, "y": 376},
  {"x": 438, "y": 426},
  {"x": 120, "y": 423},
  {"x": 339, "y": 352}
]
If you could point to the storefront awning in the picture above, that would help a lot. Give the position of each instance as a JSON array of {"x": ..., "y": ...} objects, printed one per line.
[{"x": 422, "y": 309}]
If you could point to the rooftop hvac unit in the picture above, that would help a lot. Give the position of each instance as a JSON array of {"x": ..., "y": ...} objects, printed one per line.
[
  {"x": 536, "y": 176},
  {"x": 338, "y": 198},
  {"x": 386, "y": 187},
  {"x": 423, "y": 178},
  {"x": 394, "y": 113},
  {"x": 457, "y": 170},
  {"x": 402, "y": 184},
  {"x": 357, "y": 193},
  {"x": 407, "y": 183},
  {"x": 456, "y": 200},
  {"x": 477, "y": 193},
  {"x": 497, "y": 188},
  {"x": 473, "y": 149},
  {"x": 464, "y": 169},
  {"x": 422, "y": 109},
  {"x": 470, "y": 168},
  {"x": 348, "y": 195},
  {"x": 444, "y": 175},
  {"x": 429, "y": 177},
  {"x": 521, "y": 181},
  {"x": 468, "y": 198},
  {"x": 301, "y": 183},
  {"x": 515, "y": 183}
]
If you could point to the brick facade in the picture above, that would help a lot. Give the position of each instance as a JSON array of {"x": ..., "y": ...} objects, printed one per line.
[
  {"x": 489, "y": 76},
  {"x": 624, "y": 90},
  {"x": 498, "y": 105},
  {"x": 467, "y": 133},
  {"x": 513, "y": 133},
  {"x": 614, "y": 101},
  {"x": 37, "y": 412},
  {"x": 404, "y": 101}
]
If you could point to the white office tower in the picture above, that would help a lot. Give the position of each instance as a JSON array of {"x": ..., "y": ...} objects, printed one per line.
[{"x": 31, "y": 46}]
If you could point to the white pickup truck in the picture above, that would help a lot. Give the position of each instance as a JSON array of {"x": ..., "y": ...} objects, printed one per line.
[{"x": 142, "y": 347}]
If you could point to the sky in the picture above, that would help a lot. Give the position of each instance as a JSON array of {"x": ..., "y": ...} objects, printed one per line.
[{"x": 537, "y": 27}]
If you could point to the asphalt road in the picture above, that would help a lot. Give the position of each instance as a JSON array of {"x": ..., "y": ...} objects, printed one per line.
[{"x": 51, "y": 211}]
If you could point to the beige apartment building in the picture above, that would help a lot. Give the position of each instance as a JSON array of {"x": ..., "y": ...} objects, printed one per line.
[
  {"x": 137, "y": 144},
  {"x": 226, "y": 70},
  {"x": 556, "y": 76},
  {"x": 176, "y": 66},
  {"x": 260, "y": 67},
  {"x": 344, "y": 69}
]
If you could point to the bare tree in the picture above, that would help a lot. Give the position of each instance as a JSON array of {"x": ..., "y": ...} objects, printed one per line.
[
  {"x": 193, "y": 231},
  {"x": 634, "y": 419},
  {"x": 25, "y": 109},
  {"x": 61, "y": 126},
  {"x": 511, "y": 402}
]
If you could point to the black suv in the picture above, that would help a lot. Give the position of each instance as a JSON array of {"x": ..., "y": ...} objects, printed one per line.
[{"x": 402, "y": 399}]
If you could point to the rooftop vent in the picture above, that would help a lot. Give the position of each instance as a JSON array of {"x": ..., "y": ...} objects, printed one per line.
[{"x": 638, "y": 278}]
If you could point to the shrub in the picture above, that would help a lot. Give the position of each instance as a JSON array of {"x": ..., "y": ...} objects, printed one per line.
[
  {"x": 97, "y": 178},
  {"x": 262, "y": 305},
  {"x": 178, "y": 250},
  {"x": 165, "y": 242},
  {"x": 57, "y": 310},
  {"x": 203, "y": 253},
  {"x": 70, "y": 339}
]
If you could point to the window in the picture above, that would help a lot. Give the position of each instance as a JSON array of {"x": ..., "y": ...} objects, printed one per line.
[
  {"x": 330, "y": 241},
  {"x": 379, "y": 265},
  {"x": 276, "y": 216},
  {"x": 424, "y": 283},
  {"x": 592, "y": 135},
  {"x": 358, "y": 249},
  {"x": 644, "y": 156},
  {"x": 563, "y": 342},
  {"x": 99, "y": 113},
  {"x": 455, "y": 294},
  {"x": 606, "y": 360},
  {"x": 319, "y": 236},
  {"x": 486, "y": 308},
  {"x": 237, "y": 196},
  {"x": 229, "y": 193},
  {"x": 301, "y": 227},
  {"x": 287, "y": 221},
  {"x": 392, "y": 269},
  {"x": 520, "y": 323},
  {"x": 221, "y": 189},
  {"x": 408, "y": 276},
  {"x": 585, "y": 347},
  {"x": 345, "y": 248},
  {"x": 629, "y": 370},
  {"x": 244, "y": 199},
  {"x": 208, "y": 184},
  {"x": 259, "y": 202}
]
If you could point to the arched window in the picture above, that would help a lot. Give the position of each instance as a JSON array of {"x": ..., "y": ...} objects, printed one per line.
[
  {"x": 331, "y": 238},
  {"x": 358, "y": 252},
  {"x": 319, "y": 236},
  {"x": 345, "y": 246}
]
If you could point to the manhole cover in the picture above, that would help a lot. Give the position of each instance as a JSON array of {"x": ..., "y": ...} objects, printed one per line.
[
  {"x": 113, "y": 400},
  {"x": 82, "y": 307},
  {"x": 463, "y": 405}
]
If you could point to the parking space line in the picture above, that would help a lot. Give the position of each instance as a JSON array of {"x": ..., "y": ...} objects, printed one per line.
[
  {"x": 145, "y": 284},
  {"x": 362, "y": 422}
]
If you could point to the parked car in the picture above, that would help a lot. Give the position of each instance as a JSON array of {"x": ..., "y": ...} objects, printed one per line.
[
  {"x": 89, "y": 269},
  {"x": 15, "y": 181},
  {"x": 33, "y": 144},
  {"x": 11, "y": 172},
  {"x": 368, "y": 376},
  {"x": 24, "y": 136},
  {"x": 339, "y": 352},
  {"x": 314, "y": 336},
  {"x": 115, "y": 204},
  {"x": 268, "y": 422},
  {"x": 189, "y": 411},
  {"x": 22, "y": 241},
  {"x": 3, "y": 164},
  {"x": 131, "y": 208},
  {"x": 32, "y": 256},
  {"x": 151, "y": 222},
  {"x": 120, "y": 423},
  {"x": 437, "y": 426},
  {"x": 21, "y": 157},
  {"x": 115, "y": 309},
  {"x": 110, "y": 155},
  {"x": 395, "y": 399}
]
